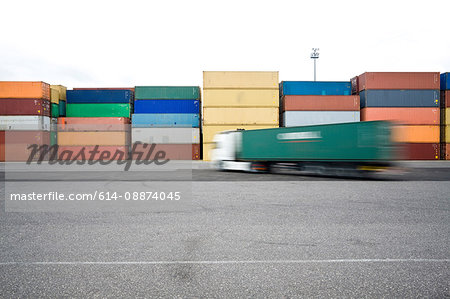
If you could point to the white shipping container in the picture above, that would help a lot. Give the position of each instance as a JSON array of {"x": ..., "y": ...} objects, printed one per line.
[
  {"x": 166, "y": 135},
  {"x": 310, "y": 118},
  {"x": 24, "y": 123}
]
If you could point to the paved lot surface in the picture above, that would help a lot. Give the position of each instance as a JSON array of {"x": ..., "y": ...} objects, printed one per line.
[{"x": 243, "y": 235}]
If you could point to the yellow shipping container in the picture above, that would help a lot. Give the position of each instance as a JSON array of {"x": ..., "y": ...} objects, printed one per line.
[
  {"x": 207, "y": 147},
  {"x": 416, "y": 134},
  {"x": 241, "y": 98},
  {"x": 445, "y": 134},
  {"x": 240, "y": 116},
  {"x": 260, "y": 80},
  {"x": 93, "y": 138},
  {"x": 445, "y": 116},
  {"x": 54, "y": 95},
  {"x": 211, "y": 130},
  {"x": 62, "y": 91}
]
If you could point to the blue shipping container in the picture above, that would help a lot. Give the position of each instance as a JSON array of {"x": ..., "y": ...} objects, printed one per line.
[
  {"x": 179, "y": 120},
  {"x": 316, "y": 88},
  {"x": 164, "y": 106},
  {"x": 445, "y": 81},
  {"x": 399, "y": 98},
  {"x": 99, "y": 96}
]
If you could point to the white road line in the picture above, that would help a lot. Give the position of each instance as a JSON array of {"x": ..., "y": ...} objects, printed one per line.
[{"x": 337, "y": 261}]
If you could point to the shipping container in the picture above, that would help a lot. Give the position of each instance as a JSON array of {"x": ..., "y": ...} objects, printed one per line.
[
  {"x": 94, "y": 124},
  {"x": 62, "y": 108},
  {"x": 355, "y": 87},
  {"x": 240, "y": 98},
  {"x": 167, "y": 92},
  {"x": 27, "y": 123},
  {"x": 93, "y": 138},
  {"x": 399, "y": 98},
  {"x": 62, "y": 91},
  {"x": 166, "y": 135},
  {"x": 309, "y": 118},
  {"x": 343, "y": 88},
  {"x": 240, "y": 116},
  {"x": 416, "y": 134},
  {"x": 168, "y": 151},
  {"x": 98, "y": 110},
  {"x": 245, "y": 80},
  {"x": 404, "y": 115},
  {"x": 337, "y": 142},
  {"x": 54, "y": 95},
  {"x": 104, "y": 88},
  {"x": 207, "y": 148},
  {"x": 320, "y": 103},
  {"x": 445, "y": 151},
  {"x": 398, "y": 80},
  {"x": 164, "y": 106},
  {"x": 420, "y": 151},
  {"x": 445, "y": 98},
  {"x": 99, "y": 96},
  {"x": 180, "y": 120},
  {"x": 445, "y": 81},
  {"x": 55, "y": 110},
  {"x": 25, "y": 90},
  {"x": 25, "y": 107},
  {"x": 445, "y": 134},
  {"x": 15, "y": 145},
  {"x": 211, "y": 130},
  {"x": 100, "y": 153},
  {"x": 445, "y": 116}
]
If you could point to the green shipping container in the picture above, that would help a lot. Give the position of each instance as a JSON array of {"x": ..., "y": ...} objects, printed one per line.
[
  {"x": 62, "y": 108},
  {"x": 55, "y": 110},
  {"x": 359, "y": 141},
  {"x": 98, "y": 110},
  {"x": 53, "y": 138},
  {"x": 167, "y": 92}
]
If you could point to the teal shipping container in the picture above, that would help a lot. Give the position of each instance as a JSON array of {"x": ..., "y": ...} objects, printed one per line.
[
  {"x": 167, "y": 92},
  {"x": 350, "y": 142}
]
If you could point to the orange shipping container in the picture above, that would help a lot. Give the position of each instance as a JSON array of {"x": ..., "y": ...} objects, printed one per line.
[
  {"x": 416, "y": 134},
  {"x": 320, "y": 103},
  {"x": 93, "y": 138},
  {"x": 24, "y": 89},
  {"x": 405, "y": 116},
  {"x": 399, "y": 80},
  {"x": 105, "y": 152}
]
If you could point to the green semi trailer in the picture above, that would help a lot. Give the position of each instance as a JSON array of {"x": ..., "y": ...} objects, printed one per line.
[{"x": 348, "y": 147}]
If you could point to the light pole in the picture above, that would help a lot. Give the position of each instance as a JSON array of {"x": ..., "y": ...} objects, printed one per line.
[{"x": 315, "y": 56}]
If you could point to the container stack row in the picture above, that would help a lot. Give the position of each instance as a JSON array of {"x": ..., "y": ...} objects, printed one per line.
[
  {"x": 305, "y": 103},
  {"x": 238, "y": 100},
  {"x": 97, "y": 125},
  {"x": 25, "y": 112},
  {"x": 166, "y": 122},
  {"x": 411, "y": 101},
  {"x": 445, "y": 116}
]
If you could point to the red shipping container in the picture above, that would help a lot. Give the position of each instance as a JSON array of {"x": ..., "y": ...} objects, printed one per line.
[
  {"x": 355, "y": 87},
  {"x": 172, "y": 151},
  {"x": 320, "y": 103},
  {"x": 106, "y": 152},
  {"x": 403, "y": 115},
  {"x": 399, "y": 80},
  {"x": 420, "y": 151},
  {"x": 14, "y": 144},
  {"x": 24, "y": 107},
  {"x": 79, "y": 124}
]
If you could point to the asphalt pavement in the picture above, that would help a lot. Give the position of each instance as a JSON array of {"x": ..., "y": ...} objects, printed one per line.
[{"x": 241, "y": 235}]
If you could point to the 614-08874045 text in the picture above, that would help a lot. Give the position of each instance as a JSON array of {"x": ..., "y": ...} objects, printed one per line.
[{"x": 95, "y": 196}]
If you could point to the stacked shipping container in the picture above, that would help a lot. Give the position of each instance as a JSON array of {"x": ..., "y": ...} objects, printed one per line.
[
  {"x": 305, "y": 103},
  {"x": 411, "y": 100},
  {"x": 168, "y": 117},
  {"x": 96, "y": 119},
  {"x": 24, "y": 118},
  {"x": 238, "y": 100},
  {"x": 445, "y": 116}
]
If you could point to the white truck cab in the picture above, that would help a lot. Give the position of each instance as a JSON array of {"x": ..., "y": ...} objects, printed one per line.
[{"x": 224, "y": 154}]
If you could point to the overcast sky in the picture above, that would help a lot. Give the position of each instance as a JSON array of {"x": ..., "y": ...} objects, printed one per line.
[{"x": 111, "y": 43}]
